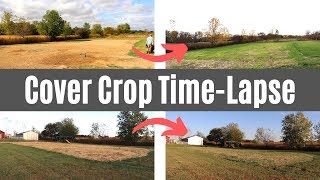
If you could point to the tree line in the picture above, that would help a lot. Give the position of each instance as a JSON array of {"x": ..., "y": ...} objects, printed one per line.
[
  {"x": 218, "y": 35},
  {"x": 127, "y": 120},
  {"x": 53, "y": 25},
  {"x": 296, "y": 131}
]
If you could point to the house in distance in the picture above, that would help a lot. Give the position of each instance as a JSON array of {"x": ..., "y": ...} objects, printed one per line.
[
  {"x": 28, "y": 135},
  {"x": 195, "y": 140}
]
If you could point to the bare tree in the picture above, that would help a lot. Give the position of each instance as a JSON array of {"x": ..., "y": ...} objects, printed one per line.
[
  {"x": 214, "y": 30},
  {"x": 97, "y": 130},
  {"x": 243, "y": 32},
  {"x": 308, "y": 32},
  {"x": 173, "y": 25},
  {"x": 200, "y": 134},
  {"x": 173, "y": 34},
  {"x": 264, "y": 136}
]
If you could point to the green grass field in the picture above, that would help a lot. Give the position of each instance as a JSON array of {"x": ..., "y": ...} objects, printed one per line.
[
  {"x": 190, "y": 162},
  {"x": 140, "y": 45},
  {"x": 260, "y": 55},
  {"x": 20, "y": 162}
]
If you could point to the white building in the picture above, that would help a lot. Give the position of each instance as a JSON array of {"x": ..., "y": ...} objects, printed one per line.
[
  {"x": 195, "y": 140},
  {"x": 28, "y": 135}
]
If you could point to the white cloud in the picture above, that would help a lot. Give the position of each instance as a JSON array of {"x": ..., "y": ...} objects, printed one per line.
[{"x": 79, "y": 11}]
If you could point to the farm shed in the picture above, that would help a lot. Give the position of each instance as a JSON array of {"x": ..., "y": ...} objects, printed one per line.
[
  {"x": 2, "y": 135},
  {"x": 28, "y": 135},
  {"x": 195, "y": 140}
]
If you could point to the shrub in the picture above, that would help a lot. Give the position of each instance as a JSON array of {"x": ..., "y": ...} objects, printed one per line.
[
  {"x": 10, "y": 40},
  {"x": 82, "y": 32},
  {"x": 203, "y": 45},
  {"x": 67, "y": 38},
  {"x": 279, "y": 146}
]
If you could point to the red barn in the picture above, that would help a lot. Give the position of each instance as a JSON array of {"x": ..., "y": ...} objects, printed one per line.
[
  {"x": 2, "y": 135},
  {"x": 168, "y": 139}
]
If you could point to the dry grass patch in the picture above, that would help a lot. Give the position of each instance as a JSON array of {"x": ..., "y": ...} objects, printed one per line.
[
  {"x": 92, "y": 152},
  {"x": 191, "y": 162},
  {"x": 264, "y": 158},
  {"x": 79, "y": 54}
]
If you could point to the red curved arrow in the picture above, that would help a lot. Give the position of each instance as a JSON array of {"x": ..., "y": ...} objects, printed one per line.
[
  {"x": 178, "y": 52},
  {"x": 177, "y": 129}
]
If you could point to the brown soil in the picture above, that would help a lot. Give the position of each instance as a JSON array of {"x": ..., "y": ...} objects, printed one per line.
[
  {"x": 92, "y": 152},
  {"x": 86, "y": 54}
]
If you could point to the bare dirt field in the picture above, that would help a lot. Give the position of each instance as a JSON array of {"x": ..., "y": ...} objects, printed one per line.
[
  {"x": 77, "y": 54},
  {"x": 92, "y": 152}
]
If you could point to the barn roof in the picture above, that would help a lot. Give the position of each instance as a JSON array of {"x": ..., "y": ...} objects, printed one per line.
[{"x": 1, "y": 131}]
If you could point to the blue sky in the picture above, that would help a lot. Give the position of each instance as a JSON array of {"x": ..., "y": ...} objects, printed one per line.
[
  {"x": 138, "y": 13},
  {"x": 248, "y": 121}
]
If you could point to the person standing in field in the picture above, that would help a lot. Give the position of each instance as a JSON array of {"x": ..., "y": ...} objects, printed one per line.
[{"x": 149, "y": 44}]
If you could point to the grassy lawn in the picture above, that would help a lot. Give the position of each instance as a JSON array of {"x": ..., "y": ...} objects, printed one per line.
[
  {"x": 261, "y": 55},
  {"x": 141, "y": 46},
  {"x": 190, "y": 162},
  {"x": 20, "y": 162}
]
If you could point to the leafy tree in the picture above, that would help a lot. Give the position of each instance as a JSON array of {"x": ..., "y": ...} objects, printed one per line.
[
  {"x": 173, "y": 35},
  {"x": 198, "y": 36},
  {"x": 109, "y": 31},
  {"x": 7, "y": 23},
  {"x": 67, "y": 29},
  {"x": 2, "y": 31},
  {"x": 52, "y": 24},
  {"x": 97, "y": 129},
  {"x": 216, "y": 135},
  {"x": 86, "y": 26},
  {"x": 127, "y": 121},
  {"x": 64, "y": 128},
  {"x": 317, "y": 129},
  {"x": 296, "y": 129},
  {"x": 83, "y": 33},
  {"x": 34, "y": 28},
  {"x": 232, "y": 132},
  {"x": 51, "y": 129},
  {"x": 263, "y": 135},
  {"x": 68, "y": 128},
  {"x": 262, "y": 35},
  {"x": 123, "y": 28},
  {"x": 22, "y": 27},
  {"x": 97, "y": 29}
]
